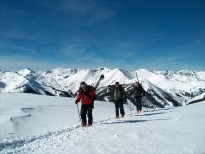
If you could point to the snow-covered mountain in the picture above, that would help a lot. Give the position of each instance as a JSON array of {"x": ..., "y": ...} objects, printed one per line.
[{"x": 162, "y": 87}]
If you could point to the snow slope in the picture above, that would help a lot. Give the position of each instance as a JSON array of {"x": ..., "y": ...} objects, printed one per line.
[{"x": 42, "y": 124}]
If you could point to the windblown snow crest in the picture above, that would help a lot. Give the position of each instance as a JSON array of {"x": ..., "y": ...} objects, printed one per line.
[{"x": 162, "y": 87}]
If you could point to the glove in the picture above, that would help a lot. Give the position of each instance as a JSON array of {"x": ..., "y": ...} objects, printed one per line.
[
  {"x": 93, "y": 105},
  {"x": 76, "y": 101},
  {"x": 102, "y": 77},
  {"x": 110, "y": 86}
]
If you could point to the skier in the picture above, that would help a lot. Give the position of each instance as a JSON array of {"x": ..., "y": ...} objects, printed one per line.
[
  {"x": 87, "y": 96},
  {"x": 119, "y": 97},
  {"x": 137, "y": 92}
]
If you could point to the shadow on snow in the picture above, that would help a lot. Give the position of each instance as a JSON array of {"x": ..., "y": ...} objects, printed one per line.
[{"x": 134, "y": 121}]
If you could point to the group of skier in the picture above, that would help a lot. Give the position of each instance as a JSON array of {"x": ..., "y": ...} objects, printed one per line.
[{"x": 86, "y": 95}]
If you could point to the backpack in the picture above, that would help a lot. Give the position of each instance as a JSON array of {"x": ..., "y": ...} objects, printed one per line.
[
  {"x": 121, "y": 90},
  {"x": 87, "y": 92},
  {"x": 138, "y": 92}
]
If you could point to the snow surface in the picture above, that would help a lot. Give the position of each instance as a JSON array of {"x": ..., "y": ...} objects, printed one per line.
[{"x": 46, "y": 124}]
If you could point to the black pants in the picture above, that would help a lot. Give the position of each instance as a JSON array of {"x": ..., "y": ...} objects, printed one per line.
[
  {"x": 138, "y": 103},
  {"x": 119, "y": 105},
  {"x": 87, "y": 110}
]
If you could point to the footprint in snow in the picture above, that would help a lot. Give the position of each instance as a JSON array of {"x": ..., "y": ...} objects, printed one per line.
[{"x": 116, "y": 135}]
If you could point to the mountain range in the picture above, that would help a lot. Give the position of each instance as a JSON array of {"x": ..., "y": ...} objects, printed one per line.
[{"x": 163, "y": 88}]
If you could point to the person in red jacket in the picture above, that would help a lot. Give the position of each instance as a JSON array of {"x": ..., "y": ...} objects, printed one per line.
[{"x": 86, "y": 95}]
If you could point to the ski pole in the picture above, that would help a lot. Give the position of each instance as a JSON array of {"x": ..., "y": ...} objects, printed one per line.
[
  {"x": 137, "y": 77},
  {"x": 131, "y": 106},
  {"x": 98, "y": 82},
  {"x": 78, "y": 113},
  {"x": 127, "y": 103}
]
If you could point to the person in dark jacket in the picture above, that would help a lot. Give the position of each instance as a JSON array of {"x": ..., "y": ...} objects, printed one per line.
[
  {"x": 119, "y": 97},
  {"x": 86, "y": 95},
  {"x": 137, "y": 92}
]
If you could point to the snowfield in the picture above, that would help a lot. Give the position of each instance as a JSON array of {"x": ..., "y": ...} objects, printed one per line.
[{"x": 46, "y": 124}]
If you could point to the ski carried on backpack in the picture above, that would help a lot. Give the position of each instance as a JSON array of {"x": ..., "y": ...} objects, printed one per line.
[
  {"x": 98, "y": 82},
  {"x": 137, "y": 77}
]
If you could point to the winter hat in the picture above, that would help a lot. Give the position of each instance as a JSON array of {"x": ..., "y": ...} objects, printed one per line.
[
  {"x": 116, "y": 83},
  {"x": 82, "y": 84}
]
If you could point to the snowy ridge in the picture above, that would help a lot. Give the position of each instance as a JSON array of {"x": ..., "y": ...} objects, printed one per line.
[
  {"x": 183, "y": 86},
  {"x": 161, "y": 96},
  {"x": 135, "y": 133}
]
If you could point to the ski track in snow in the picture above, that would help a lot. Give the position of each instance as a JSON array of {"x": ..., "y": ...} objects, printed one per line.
[{"x": 51, "y": 139}]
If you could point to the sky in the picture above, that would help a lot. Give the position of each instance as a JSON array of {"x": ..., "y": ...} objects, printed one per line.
[{"x": 127, "y": 34}]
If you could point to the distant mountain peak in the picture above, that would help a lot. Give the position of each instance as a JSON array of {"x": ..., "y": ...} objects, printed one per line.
[
  {"x": 103, "y": 68},
  {"x": 65, "y": 81},
  {"x": 26, "y": 71}
]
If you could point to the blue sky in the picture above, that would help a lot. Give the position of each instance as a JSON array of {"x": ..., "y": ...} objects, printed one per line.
[{"x": 127, "y": 34}]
